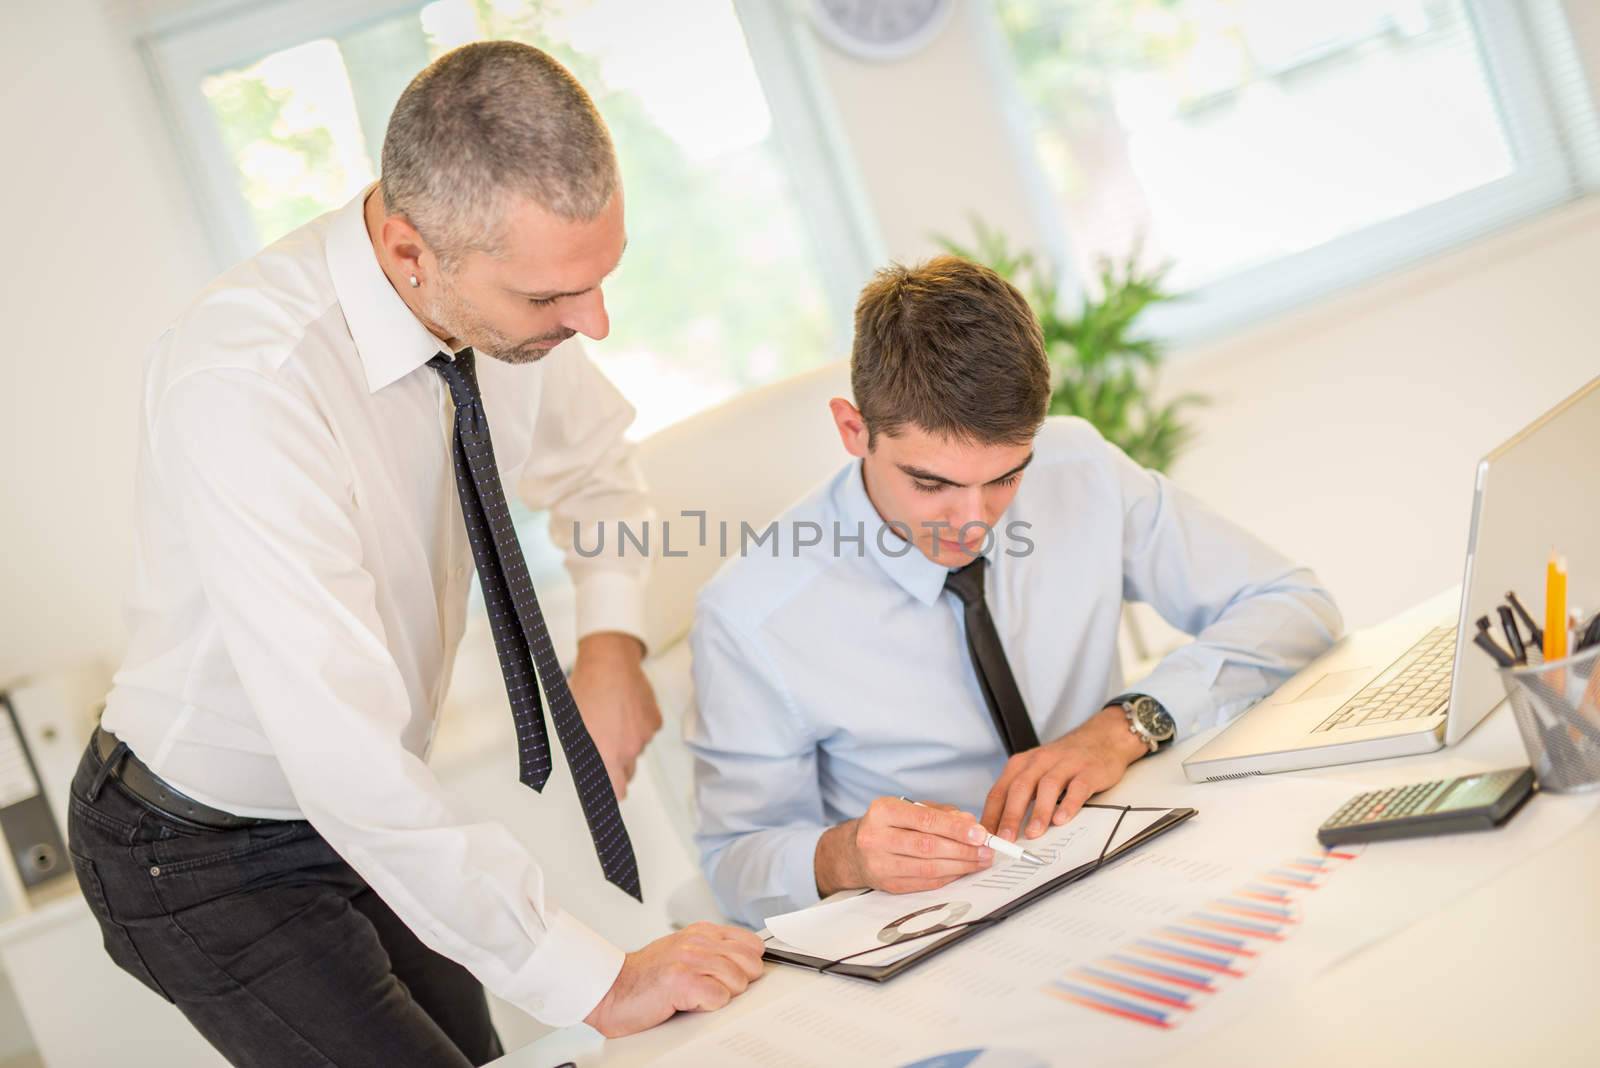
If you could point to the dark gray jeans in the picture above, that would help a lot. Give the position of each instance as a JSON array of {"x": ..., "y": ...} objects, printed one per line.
[{"x": 272, "y": 946}]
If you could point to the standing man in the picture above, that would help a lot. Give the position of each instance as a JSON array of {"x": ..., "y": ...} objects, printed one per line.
[
  {"x": 254, "y": 826},
  {"x": 952, "y": 632}
]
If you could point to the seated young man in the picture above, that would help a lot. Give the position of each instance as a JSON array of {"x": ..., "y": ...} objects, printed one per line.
[{"x": 940, "y": 619}]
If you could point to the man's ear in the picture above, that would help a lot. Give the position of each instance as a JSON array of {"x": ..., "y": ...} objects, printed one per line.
[
  {"x": 852, "y": 428},
  {"x": 405, "y": 245}
]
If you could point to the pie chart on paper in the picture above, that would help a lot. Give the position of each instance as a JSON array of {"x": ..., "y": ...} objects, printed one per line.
[{"x": 981, "y": 1058}]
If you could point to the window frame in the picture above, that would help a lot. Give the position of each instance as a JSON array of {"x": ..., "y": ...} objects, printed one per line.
[
  {"x": 1552, "y": 137},
  {"x": 181, "y": 49}
]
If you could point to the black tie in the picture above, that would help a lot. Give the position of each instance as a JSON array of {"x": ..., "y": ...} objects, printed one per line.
[
  {"x": 520, "y": 637},
  {"x": 999, "y": 686}
]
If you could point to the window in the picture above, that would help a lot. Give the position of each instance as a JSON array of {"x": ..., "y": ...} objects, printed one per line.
[
  {"x": 1272, "y": 150},
  {"x": 728, "y": 282}
]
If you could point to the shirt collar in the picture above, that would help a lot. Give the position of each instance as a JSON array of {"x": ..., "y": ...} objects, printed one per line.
[
  {"x": 903, "y": 562},
  {"x": 390, "y": 340}
]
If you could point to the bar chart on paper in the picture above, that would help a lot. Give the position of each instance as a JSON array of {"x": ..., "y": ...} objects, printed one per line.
[{"x": 1166, "y": 974}]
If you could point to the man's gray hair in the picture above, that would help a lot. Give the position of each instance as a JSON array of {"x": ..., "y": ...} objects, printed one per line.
[{"x": 483, "y": 125}]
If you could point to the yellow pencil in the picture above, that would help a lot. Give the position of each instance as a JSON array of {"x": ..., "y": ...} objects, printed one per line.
[{"x": 1555, "y": 609}]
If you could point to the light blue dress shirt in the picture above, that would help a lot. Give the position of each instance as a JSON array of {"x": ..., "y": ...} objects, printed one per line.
[{"x": 831, "y": 674}]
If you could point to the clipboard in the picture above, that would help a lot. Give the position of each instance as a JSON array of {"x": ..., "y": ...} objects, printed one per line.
[{"x": 940, "y": 940}]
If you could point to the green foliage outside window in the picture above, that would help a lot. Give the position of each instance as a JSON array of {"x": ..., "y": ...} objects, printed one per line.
[{"x": 250, "y": 114}]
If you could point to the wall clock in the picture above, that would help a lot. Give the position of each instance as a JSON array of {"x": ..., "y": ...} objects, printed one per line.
[{"x": 880, "y": 29}]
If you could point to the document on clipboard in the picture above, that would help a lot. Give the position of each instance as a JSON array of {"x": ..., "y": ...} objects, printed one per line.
[{"x": 876, "y": 936}]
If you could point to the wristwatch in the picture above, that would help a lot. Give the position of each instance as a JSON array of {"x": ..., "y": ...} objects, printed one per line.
[{"x": 1147, "y": 719}]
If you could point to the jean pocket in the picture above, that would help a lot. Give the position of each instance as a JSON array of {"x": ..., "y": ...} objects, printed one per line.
[
  {"x": 191, "y": 851},
  {"x": 84, "y": 815},
  {"x": 118, "y": 942}
]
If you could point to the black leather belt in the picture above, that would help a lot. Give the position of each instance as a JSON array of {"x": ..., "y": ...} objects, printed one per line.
[{"x": 148, "y": 787}]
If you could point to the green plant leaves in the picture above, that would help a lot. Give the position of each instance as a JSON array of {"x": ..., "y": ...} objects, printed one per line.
[{"x": 1103, "y": 370}]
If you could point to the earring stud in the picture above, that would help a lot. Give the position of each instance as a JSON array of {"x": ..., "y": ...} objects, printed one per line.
[{"x": 414, "y": 282}]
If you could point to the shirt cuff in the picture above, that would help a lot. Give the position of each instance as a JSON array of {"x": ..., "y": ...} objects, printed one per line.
[
  {"x": 570, "y": 971},
  {"x": 610, "y": 601},
  {"x": 797, "y": 868}
]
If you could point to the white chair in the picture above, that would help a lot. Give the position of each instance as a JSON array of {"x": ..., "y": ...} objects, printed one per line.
[{"x": 744, "y": 461}]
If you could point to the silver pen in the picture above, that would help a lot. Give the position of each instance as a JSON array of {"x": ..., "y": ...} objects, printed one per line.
[{"x": 998, "y": 844}]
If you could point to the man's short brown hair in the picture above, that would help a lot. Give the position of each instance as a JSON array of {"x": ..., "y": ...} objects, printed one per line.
[{"x": 953, "y": 348}]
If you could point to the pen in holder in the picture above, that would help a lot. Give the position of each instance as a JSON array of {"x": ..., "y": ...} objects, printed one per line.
[{"x": 1557, "y": 708}]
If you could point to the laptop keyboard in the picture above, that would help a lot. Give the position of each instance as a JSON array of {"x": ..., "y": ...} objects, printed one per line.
[{"x": 1416, "y": 685}]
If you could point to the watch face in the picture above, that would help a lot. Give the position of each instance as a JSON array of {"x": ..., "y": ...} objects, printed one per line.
[{"x": 1153, "y": 718}]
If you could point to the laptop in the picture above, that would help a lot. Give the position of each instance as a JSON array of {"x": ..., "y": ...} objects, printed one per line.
[{"x": 1416, "y": 683}]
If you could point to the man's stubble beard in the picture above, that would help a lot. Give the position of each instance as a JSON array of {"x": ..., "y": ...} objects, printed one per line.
[{"x": 460, "y": 321}]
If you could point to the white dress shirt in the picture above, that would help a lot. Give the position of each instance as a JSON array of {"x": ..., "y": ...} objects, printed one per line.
[
  {"x": 302, "y": 581},
  {"x": 831, "y": 675}
]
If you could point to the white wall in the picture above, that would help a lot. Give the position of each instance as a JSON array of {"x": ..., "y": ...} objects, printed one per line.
[
  {"x": 1348, "y": 434},
  {"x": 930, "y": 143},
  {"x": 100, "y": 253}
]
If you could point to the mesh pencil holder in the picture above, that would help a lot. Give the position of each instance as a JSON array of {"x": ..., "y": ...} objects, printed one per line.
[{"x": 1557, "y": 708}]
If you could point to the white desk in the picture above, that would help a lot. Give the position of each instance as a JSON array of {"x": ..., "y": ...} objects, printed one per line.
[{"x": 1508, "y": 973}]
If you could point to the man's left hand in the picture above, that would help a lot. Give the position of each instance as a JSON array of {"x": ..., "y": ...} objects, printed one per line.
[
  {"x": 616, "y": 700},
  {"x": 1078, "y": 765}
]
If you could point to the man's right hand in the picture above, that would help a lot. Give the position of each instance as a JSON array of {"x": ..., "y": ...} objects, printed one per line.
[
  {"x": 697, "y": 969},
  {"x": 899, "y": 847}
]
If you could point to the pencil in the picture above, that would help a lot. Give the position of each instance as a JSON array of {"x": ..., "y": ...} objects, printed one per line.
[{"x": 1555, "y": 608}]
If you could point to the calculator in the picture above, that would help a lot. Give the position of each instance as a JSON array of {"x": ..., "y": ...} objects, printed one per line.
[{"x": 1444, "y": 806}]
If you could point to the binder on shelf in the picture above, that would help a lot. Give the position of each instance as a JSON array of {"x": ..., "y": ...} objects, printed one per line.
[{"x": 27, "y": 823}]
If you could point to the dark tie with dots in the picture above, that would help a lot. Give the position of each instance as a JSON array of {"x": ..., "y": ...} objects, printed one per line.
[
  {"x": 520, "y": 638},
  {"x": 999, "y": 686}
]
